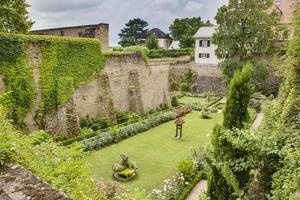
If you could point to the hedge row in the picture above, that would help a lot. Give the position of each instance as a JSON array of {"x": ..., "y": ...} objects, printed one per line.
[
  {"x": 169, "y": 53},
  {"x": 196, "y": 179},
  {"x": 109, "y": 137}
]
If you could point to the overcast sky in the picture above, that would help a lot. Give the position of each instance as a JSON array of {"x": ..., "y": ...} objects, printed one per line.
[{"x": 158, "y": 13}]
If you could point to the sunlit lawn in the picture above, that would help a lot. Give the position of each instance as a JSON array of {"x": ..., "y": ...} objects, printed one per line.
[{"x": 156, "y": 152}]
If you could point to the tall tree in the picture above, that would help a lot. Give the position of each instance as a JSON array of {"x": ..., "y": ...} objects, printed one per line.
[
  {"x": 236, "y": 109},
  {"x": 134, "y": 29},
  {"x": 14, "y": 16},
  {"x": 245, "y": 29},
  {"x": 184, "y": 29}
]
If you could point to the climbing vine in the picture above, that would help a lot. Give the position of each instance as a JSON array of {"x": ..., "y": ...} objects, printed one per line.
[{"x": 65, "y": 63}]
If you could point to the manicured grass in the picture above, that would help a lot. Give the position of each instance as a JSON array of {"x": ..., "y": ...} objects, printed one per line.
[
  {"x": 185, "y": 100},
  {"x": 156, "y": 152}
]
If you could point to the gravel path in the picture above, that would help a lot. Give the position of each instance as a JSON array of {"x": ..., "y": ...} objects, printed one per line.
[{"x": 199, "y": 188}]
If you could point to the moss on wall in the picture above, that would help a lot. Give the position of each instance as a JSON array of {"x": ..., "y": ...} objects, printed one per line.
[{"x": 65, "y": 64}]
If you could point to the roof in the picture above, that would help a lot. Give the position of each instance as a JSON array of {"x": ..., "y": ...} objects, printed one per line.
[
  {"x": 71, "y": 27},
  {"x": 205, "y": 32},
  {"x": 175, "y": 45},
  {"x": 158, "y": 33}
]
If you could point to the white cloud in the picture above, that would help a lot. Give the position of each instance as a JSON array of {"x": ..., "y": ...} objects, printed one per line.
[{"x": 158, "y": 13}]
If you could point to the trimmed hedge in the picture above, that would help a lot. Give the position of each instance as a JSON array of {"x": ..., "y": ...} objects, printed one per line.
[
  {"x": 115, "y": 136},
  {"x": 191, "y": 185},
  {"x": 169, "y": 53}
]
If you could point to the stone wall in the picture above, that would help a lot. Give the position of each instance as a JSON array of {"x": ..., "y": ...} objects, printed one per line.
[
  {"x": 209, "y": 77},
  {"x": 127, "y": 84},
  {"x": 17, "y": 183}
]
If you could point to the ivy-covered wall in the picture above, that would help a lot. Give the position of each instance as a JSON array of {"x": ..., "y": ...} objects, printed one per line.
[{"x": 64, "y": 64}]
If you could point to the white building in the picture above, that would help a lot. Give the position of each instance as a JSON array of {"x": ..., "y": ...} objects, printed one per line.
[
  {"x": 204, "y": 49},
  {"x": 175, "y": 45}
]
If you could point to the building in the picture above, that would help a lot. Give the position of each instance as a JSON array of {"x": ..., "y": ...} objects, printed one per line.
[
  {"x": 175, "y": 45},
  {"x": 164, "y": 40},
  {"x": 98, "y": 31},
  {"x": 204, "y": 49}
]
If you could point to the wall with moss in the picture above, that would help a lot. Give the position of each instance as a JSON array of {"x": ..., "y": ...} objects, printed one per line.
[{"x": 41, "y": 73}]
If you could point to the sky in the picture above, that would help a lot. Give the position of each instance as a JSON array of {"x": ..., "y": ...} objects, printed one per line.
[{"x": 158, "y": 13}]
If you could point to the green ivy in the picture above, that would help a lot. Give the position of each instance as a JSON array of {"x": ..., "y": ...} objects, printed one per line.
[{"x": 65, "y": 64}]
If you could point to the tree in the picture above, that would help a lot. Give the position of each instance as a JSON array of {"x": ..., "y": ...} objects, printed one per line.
[
  {"x": 184, "y": 29},
  {"x": 14, "y": 16},
  {"x": 244, "y": 28},
  {"x": 134, "y": 29},
  {"x": 152, "y": 42},
  {"x": 128, "y": 41},
  {"x": 244, "y": 31},
  {"x": 236, "y": 113}
]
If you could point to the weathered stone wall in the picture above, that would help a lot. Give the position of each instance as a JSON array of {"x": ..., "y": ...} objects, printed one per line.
[
  {"x": 17, "y": 183},
  {"x": 209, "y": 77},
  {"x": 126, "y": 84}
]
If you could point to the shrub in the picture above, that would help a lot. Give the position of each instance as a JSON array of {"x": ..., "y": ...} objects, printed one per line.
[
  {"x": 175, "y": 102},
  {"x": 205, "y": 114},
  {"x": 118, "y": 134},
  {"x": 186, "y": 167},
  {"x": 171, "y": 189},
  {"x": 171, "y": 53},
  {"x": 182, "y": 111},
  {"x": 95, "y": 124},
  {"x": 122, "y": 117}
]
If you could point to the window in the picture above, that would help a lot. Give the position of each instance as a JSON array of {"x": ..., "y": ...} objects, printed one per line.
[
  {"x": 204, "y": 43},
  {"x": 204, "y": 55},
  {"x": 277, "y": 2}
]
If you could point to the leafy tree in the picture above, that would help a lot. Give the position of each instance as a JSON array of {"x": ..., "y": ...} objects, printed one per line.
[
  {"x": 244, "y": 31},
  {"x": 128, "y": 41},
  {"x": 134, "y": 29},
  {"x": 184, "y": 29},
  {"x": 14, "y": 16},
  {"x": 236, "y": 114},
  {"x": 152, "y": 42}
]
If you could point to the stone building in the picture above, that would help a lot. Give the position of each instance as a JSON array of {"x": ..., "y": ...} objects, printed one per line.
[
  {"x": 164, "y": 40},
  {"x": 99, "y": 31},
  {"x": 285, "y": 9}
]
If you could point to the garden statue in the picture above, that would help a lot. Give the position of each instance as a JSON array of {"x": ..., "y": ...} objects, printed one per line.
[
  {"x": 124, "y": 170},
  {"x": 179, "y": 123}
]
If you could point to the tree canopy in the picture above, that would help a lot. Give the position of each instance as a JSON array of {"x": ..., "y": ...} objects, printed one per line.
[
  {"x": 134, "y": 29},
  {"x": 14, "y": 16},
  {"x": 184, "y": 29},
  {"x": 244, "y": 28}
]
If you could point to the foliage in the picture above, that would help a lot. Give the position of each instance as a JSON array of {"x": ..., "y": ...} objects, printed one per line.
[
  {"x": 236, "y": 113},
  {"x": 187, "y": 168},
  {"x": 174, "y": 101},
  {"x": 114, "y": 136},
  {"x": 191, "y": 185},
  {"x": 152, "y": 42},
  {"x": 183, "y": 110},
  {"x": 95, "y": 124},
  {"x": 184, "y": 29},
  {"x": 169, "y": 53},
  {"x": 244, "y": 29},
  {"x": 14, "y": 16},
  {"x": 133, "y": 30},
  {"x": 171, "y": 189},
  {"x": 65, "y": 64},
  {"x": 205, "y": 114}
]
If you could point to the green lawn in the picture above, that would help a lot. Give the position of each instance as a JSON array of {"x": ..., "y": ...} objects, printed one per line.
[
  {"x": 156, "y": 152},
  {"x": 186, "y": 100}
]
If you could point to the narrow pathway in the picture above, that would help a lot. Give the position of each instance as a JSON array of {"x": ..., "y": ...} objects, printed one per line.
[
  {"x": 202, "y": 185},
  {"x": 257, "y": 121},
  {"x": 199, "y": 188}
]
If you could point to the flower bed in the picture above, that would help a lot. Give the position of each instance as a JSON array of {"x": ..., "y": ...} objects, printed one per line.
[{"x": 115, "y": 136}]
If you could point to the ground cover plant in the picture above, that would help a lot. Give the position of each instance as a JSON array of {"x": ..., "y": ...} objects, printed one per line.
[{"x": 156, "y": 151}]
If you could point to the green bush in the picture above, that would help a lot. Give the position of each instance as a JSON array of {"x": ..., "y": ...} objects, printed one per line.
[
  {"x": 171, "y": 53},
  {"x": 95, "y": 124},
  {"x": 122, "y": 117},
  {"x": 187, "y": 168},
  {"x": 118, "y": 134},
  {"x": 175, "y": 102}
]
